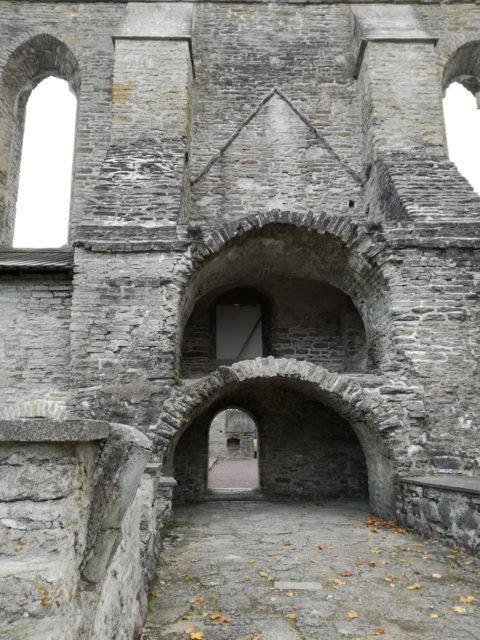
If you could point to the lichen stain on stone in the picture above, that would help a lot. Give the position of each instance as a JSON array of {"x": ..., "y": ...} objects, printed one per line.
[{"x": 121, "y": 91}]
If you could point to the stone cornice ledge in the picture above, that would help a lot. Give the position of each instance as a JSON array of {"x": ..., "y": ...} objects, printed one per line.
[
  {"x": 460, "y": 484},
  {"x": 48, "y": 430}
]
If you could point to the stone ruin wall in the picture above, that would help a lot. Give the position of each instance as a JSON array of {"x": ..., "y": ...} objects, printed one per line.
[{"x": 213, "y": 135}]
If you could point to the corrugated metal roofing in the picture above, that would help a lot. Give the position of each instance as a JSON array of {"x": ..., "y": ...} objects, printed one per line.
[{"x": 36, "y": 260}]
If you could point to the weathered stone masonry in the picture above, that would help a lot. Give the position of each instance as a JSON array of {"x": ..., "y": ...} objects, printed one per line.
[{"x": 297, "y": 151}]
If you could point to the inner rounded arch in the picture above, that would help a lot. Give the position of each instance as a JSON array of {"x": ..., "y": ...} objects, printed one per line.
[{"x": 265, "y": 260}]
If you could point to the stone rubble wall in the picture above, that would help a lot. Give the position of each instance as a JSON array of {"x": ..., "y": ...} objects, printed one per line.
[
  {"x": 80, "y": 536},
  {"x": 447, "y": 508},
  {"x": 34, "y": 338}
]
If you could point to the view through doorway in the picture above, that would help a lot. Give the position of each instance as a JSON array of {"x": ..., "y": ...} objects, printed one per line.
[{"x": 233, "y": 452}]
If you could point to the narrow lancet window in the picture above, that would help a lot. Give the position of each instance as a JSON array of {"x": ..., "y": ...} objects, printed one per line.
[
  {"x": 45, "y": 183},
  {"x": 462, "y": 123}
]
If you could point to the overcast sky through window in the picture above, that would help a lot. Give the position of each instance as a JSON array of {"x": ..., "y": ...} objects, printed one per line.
[{"x": 43, "y": 202}]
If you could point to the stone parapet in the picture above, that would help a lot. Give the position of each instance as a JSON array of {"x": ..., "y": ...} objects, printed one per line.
[{"x": 445, "y": 507}]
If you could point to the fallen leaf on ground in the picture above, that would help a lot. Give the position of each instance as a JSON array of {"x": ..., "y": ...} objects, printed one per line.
[
  {"x": 287, "y": 543},
  {"x": 467, "y": 599},
  {"x": 379, "y": 631},
  {"x": 199, "y": 600},
  {"x": 352, "y": 615},
  {"x": 434, "y": 616},
  {"x": 437, "y": 576},
  {"x": 292, "y": 616},
  {"x": 195, "y": 635},
  {"x": 217, "y": 617},
  {"x": 338, "y": 583},
  {"x": 187, "y": 616},
  {"x": 415, "y": 586},
  {"x": 289, "y": 594},
  {"x": 459, "y": 610},
  {"x": 346, "y": 574}
]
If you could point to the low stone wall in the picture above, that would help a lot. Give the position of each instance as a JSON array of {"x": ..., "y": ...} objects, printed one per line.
[
  {"x": 445, "y": 507},
  {"x": 79, "y": 514}
]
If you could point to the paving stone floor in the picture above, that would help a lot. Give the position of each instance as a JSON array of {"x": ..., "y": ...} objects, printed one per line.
[
  {"x": 296, "y": 571},
  {"x": 242, "y": 474}
]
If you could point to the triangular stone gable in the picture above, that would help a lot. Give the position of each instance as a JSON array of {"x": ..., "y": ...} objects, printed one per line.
[{"x": 275, "y": 160}]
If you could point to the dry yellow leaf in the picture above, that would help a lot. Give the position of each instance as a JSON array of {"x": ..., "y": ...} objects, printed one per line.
[
  {"x": 352, "y": 615},
  {"x": 437, "y": 576},
  {"x": 292, "y": 616},
  {"x": 415, "y": 586},
  {"x": 467, "y": 599},
  {"x": 199, "y": 600},
  {"x": 459, "y": 610},
  {"x": 338, "y": 583},
  {"x": 379, "y": 631},
  {"x": 195, "y": 635},
  {"x": 434, "y": 616},
  {"x": 217, "y": 617},
  {"x": 289, "y": 594}
]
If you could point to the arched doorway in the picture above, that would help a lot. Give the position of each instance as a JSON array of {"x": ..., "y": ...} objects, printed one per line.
[
  {"x": 299, "y": 395},
  {"x": 233, "y": 451}
]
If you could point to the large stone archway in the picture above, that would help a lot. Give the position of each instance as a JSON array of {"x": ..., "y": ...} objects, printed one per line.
[{"x": 379, "y": 428}]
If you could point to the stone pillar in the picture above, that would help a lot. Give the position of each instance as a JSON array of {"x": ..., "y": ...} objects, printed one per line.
[
  {"x": 143, "y": 185},
  {"x": 398, "y": 82}
]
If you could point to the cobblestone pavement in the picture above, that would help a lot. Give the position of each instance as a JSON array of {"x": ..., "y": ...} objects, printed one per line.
[
  {"x": 242, "y": 474},
  {"x": 294, "y": 571}
]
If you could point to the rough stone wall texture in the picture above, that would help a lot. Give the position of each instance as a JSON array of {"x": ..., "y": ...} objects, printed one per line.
[
  {"x": 123, "y": 328},
  {"x": 44, "y": 505},
  {"x": 448, "y": 513},
  {"x": 60, "y": 503},
  {"x": 34, "y": 338}
]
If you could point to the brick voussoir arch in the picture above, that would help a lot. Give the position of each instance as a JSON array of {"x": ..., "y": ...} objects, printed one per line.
[
  {"x": 345, "y": 395},
  {"x": 338, "y": 227}
]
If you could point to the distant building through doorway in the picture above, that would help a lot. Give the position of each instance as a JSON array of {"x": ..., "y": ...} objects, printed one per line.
[{"x": 233, "y": 451}]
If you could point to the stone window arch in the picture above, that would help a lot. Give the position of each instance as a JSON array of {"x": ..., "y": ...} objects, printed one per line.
[
  {"x": 33, "y": 61},
  {"x": 461, "y": 88}
]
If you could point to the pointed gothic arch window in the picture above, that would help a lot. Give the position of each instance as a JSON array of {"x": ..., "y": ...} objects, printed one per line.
[
  {"x": 45, "y": 182},
  {"x": 33, "y": 68}
]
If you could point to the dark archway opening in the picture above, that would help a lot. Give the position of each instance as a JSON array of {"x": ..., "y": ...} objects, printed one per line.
[{"x": 306, "y": 449}]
